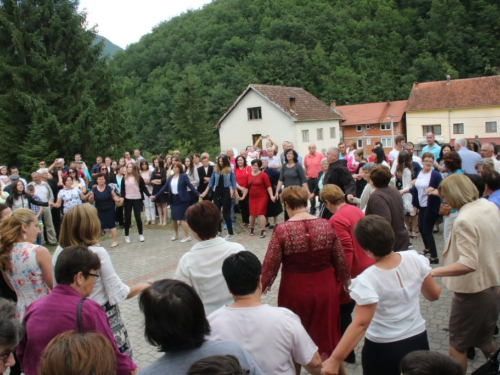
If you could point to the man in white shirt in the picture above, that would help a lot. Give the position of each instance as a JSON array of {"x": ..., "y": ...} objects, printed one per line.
[
  {"x": 273, "y": 336},
  {"x": 469, "y": 158},
  {"x": 488, "y": 152},
  {"x": 393, "y": 155},
  {"x": 44, "y": 192}
]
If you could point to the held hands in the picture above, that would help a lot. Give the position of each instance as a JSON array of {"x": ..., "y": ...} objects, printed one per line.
[
  {"x": 152, "y": 198},
  {"x": 350, "y": 198},
  {"x": 330, "y": 367},
  {"x": 311, "y": 196}
]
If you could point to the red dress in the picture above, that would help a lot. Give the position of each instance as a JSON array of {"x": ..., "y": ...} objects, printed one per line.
[
  {"x": 313, "y": 265},
  {"x": 258, "y": 195}
]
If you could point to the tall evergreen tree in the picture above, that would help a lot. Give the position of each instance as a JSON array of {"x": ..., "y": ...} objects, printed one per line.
[{"x": 57, "y": 94}]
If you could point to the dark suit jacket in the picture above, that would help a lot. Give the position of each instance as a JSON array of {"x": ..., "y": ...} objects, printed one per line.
[
  {"x": 339, "y": 175},
  {"x": 201, "y": 172},
  {"x": 182, "y": 186}
]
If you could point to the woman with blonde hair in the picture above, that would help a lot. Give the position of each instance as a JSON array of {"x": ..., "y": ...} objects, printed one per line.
[
  {"x": 71, "y": 352},
  {"x": 470, "y": 268},
  {"x": 352, "y": 163},
  {"x": 81, "y": 226},
  {"x": 28, "y": 267}
]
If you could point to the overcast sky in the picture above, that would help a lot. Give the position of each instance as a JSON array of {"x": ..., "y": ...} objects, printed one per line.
[{"x": 124, "y": 22}]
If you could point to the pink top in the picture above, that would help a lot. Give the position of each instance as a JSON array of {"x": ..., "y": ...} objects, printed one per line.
[
  {"x": 146, "y": 176},
  {"x": 313, "y": 164},
  {"x": 132, "y": 190}
]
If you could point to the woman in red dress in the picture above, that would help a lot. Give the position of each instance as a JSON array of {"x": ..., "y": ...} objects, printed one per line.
[
  {"x": 313, "y": 265},
  {"x": 259, "y": 191},
  {"x": 241, "y": 172}
]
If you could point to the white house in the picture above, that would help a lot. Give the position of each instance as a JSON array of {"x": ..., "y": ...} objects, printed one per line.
[{"x": 284, "y": 113}]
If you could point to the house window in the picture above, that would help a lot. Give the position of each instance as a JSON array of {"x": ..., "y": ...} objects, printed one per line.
[
  {"x": 332, "y": 133},
  {"x": 386, "y": 142},
  {"x": 385, "y": 126},
  {"x": 254, "y": 113},
  {"x": 458, "y": 128},
  {"x": 359, "y": 128},
  {"x": 367, "y": 126},
  {"x": 319, "y": 134},
  {"x": 491, "y": 126},
  {"x": 305, "y": 135},
  {"x": 360, "y": 143},
  {"x": 435, "y": 129}
]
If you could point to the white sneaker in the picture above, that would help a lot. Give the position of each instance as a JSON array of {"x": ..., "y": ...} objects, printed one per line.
[
  {"x": 127, "y": 239},
  {"x": 229, "y": 236},
  {"x": 174, "y": 238},
  {"x": 141, "y": 238},
  {"x": 188, "y": 238}
]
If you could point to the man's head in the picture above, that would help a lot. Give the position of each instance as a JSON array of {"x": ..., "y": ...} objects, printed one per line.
[
  {"x": 31, "y": 190},
  {"x": 35, "y": 176},
  {"x": 426, "y": 362},
  {"x": 78, "y": 157},
  {"x": 378, "y": 144},
  {"x": 408, "y": 146},
  {"x": 126, "y": 155},
  {"x": 72, "y": 165},
  {"x": 137, "y": 153},
  {"x": 98, "y": 160},
  {"x": 176, "y": 153},
  {"x": 342, "y": 148},
  {"x": 332, "y": 155},
  {"x": 205, "y": 161},
  {"x": 289, "y": 145},
  {"x": 79, "y": 164},
  {"x": 284, "y": 145},
  {"x": 13, "y": 170},
  {"x": 42, "y": 164},
  {"x": 487, "y": 150},
  {"x": 492, "y": 181},
  {"x": 242, "y": 273},
  {"x": 429, "y": 137},
  {"x": 244, "y": 153},
  {"x": 459, "y": 143},
  {"x": 312, "y": 148},
  {"x": 400, "y": 142},
  {"x": 230, "y": 153},
  {"x": 107, "y": 161}
]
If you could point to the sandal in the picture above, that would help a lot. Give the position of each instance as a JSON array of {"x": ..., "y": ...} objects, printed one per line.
[
  {"x": 413, "y": 235},
  {"x": 251, "y": 232},
  {"x": 262, "y": 234},
  {"x": 271, "y": 226},
  {"x": 425, "y": 252}
]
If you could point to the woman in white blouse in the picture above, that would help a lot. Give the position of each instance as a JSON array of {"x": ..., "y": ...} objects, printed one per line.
[
  {"x": 81, "y": 226},
  {"x": 387, "y": 303}
]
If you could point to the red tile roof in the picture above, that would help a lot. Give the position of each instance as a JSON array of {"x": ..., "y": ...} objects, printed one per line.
[
  {"x": 459, "y": 93},
  {"x": 307, "y": 106},
  {"x": 372, "y": 113}
]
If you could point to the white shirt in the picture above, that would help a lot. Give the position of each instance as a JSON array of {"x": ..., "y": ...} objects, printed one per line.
[
  {"x": 174, "y": 185},
  {"x": 201, "y": 267},
  {"x": 418, "y": 159},
  {"x": 397, "y": 316},
  {"x": 273, "y": 161},
  {"x": 108, "y": 287},
  {"x": 273, "y": 336},
  {"x": 421, "y": 184},
  {"x": 393, "y": 155},
  {"x": 42, "y": 192}
]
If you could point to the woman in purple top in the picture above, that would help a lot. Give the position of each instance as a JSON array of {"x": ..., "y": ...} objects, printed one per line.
[{"x": 76, "y": 271}]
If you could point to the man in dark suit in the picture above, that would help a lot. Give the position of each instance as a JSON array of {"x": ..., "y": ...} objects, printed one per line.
[
  {"x": 337, "y": 173},
  {"x": 205, "y": 171}
]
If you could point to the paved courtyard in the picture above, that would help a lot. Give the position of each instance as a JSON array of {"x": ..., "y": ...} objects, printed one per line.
[{"x": 157, "y": 258}]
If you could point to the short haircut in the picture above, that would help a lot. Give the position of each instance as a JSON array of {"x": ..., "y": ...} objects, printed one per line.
[
  {"x": 409, "y": 144},
  {"x": 11, "y": 329},
  {"x": 458, "y": 190},
  {"x": 203, "y": 218},
  {"x": 295, "y": 155},
  {"x": 461, "y": 141},
  {"x": 378, "y": 144},
  {"x": 341, "y": 143},
  {"x": 332, "y": 193},
  {"x": 80, "y": 226},
  {"x": 452, "y": 161},
  {"x": 368, "y": 166},
  {"x": 399, "y": 138},
  {"x": 380, "y": 176},
  {"x": 242, "y": 273},
  {"x": 204, "y": 158},
  {"x": 30, "y": 188},
  {"x": 426, "y": 155},
  {"x": 174, "y": 316},
  {"x": 99, "y": 175},
  {"x": 217, "y": 365},
  {"x": 426, "y": 362},
  {"x": 72, "y": 352},
  {"x": 374, "y": 233},
  {"x": 478, "y": 183},
  {"x": 486, "y": 164},
  {"x": 67, "y": 177},
  {"x": 295, "y": 197},
  {"x": 178, "y": 164},
  {"x": 257, "y": 161},
  {"x": 492, "y": 179},
  {"x": 75, "y": 259}
]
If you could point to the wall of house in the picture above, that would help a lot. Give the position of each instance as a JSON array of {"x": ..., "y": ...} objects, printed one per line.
[
  {"x": 237, "y": 130},
  {"x": 474, "y": 120},
  {"x": 328, "y": 138},
  {"x": 371, "y": 136}
]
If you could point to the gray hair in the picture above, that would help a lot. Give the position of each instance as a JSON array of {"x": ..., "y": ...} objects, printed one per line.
[
  {"x": 368, "y": 166},
  {"x": 34, "y": 173},
  {"x": 265, "y": 159},
  {"x": 11, "y": 329},
  {"x": 461, "y": 141},
  {"x": 407, "y": 144},
  {"x": 323, "y": 160}
]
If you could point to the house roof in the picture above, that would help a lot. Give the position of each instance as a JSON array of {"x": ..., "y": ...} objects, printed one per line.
[
  {"x": 372, "y": 113},
  {"x": 307, "y": 106},
  {"x": 458, "y": 93}
]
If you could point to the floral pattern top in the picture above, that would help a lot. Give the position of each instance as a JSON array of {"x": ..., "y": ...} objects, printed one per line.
[
  {"x": 70, "y": 198},
  {"x": 303, "y": 246},
  {"x": 25, "y": 276}
]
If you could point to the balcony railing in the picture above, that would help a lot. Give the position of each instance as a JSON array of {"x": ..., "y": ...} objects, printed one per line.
[{"x": 423, "y": 140}]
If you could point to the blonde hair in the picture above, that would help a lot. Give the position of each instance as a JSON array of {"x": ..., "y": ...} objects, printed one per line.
[
  {"x": 295, "y": 197},
  {"x": 353, "y": 145},
  {"x": 80, "y": 226},
  {"x": 10, "y": 233},
  {"x": 332, "y": 193},
  {"x": 458, "y": 190},
  {"x": 135, "y": 172}
]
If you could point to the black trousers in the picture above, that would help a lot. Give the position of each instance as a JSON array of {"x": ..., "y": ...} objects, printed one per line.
[
  {"x": 245, "y": 212},
  {"x": 311, "y": 184},
  {"x": 56, "y": 219},
  {"x": 346, "y": 318},
  {"x": 222, "y": 199},
  {"x": 426, "y": 221},
  {"x": 119, "y": 216},
  {"x": 136, "y": 205}
]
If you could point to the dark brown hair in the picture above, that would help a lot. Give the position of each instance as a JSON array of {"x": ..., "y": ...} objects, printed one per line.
[
  {"x": 203, "y": 218},
  {"x": 374, "y": 233},
  {"x": 295, "y": 197},
  {"x": 380, "y": 176},
  {"x": 452, "y": 161},
  {"x": 179, "y": 165}
]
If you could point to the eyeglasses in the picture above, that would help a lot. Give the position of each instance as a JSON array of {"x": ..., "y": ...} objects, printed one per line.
[
  {"x": 5, "y": 355},
  {"x": 94, "y": 275},
  {"x": 104, "y": 169},
  {"x": 72, "y": 172}
]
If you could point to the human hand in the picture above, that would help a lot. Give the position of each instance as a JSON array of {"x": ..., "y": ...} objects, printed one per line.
[
  {"x": 202, "y": 195},
  {"x": 330, "y": 367},
  {"x": 121, "y": 200},
  {"x": 429, "y": 190},
  {"x": 152, "y": 198},
  {"x": 311, "y": 196},
  {"x": 207, "y": 179},
  {"x": 350, "y": 198}
]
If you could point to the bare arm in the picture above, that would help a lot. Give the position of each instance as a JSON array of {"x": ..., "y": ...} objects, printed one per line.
[
  {"x": 58, "y": 203},
  {"x": 455, "y": 269},
  {"x": 314, "y": 367},
  {"x": 430, "y": 290},
  {"x": 44, "y": 261},
  {"x": 136, "y": 289}
]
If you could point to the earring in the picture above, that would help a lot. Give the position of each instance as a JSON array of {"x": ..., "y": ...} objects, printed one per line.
[{"x": 24, "y": 236}]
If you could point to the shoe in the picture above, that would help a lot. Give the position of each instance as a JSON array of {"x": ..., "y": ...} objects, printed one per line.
[
  {"x": 146, "y": 222},
  {"x": 127, "y": 239},
  {"x": 434, "y": 260},
  {"x": 152, "y": 222},
  {"x": 267, "y": 225},
  {"x": 471, "y": 353},
  {"x": 410, "y": 245},
  {"x": 413, "y": 235},
  {"x": 271, "y": 226},
  {"x": 229, "y": 236},
  {"x": 425, "y": 253},
  {"x": 115, "y": 244},
  {"x": 251, "y": 232},
  {"x": 225, "y": 226},
  {"x": 262, "y": 234},
  {"x": 188, "y": 238},
  {"x": 174, "y": 238},
  {"x": 141, "y": 238}
]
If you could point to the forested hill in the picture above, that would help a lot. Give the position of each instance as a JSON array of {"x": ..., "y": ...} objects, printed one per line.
[
  {"x": 109, "y": 49},
  {"x": 348, "y": 50}
]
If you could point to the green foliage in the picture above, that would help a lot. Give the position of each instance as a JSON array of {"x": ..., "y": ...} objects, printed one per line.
[{"x": 57, "y": 95}]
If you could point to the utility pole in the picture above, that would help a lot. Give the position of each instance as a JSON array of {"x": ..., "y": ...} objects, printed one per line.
[{"x": 391, "y": 117}]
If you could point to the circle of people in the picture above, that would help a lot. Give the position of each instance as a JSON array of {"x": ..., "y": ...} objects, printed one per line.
[{"x": 59, "y": 313}]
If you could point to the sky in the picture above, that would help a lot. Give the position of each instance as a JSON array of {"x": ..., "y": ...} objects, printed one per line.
[{"x": 123, "y": 22}]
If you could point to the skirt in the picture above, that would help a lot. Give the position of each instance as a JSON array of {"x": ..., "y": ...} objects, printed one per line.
[
  {"x": 178, "y": 208},
  {"x": 118, "y": 328},
  {"x": 473, "y": 318},
  {"x": 384, "y": 358},
  {"x": 107, "y": 219}
]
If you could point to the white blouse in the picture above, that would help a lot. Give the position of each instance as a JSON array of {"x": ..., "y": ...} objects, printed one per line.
[
  {"x": 396, "y": 292},
  {"x": 108, "y": 287}
]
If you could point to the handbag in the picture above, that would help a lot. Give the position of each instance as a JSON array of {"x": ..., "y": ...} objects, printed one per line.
[
  {"x": 444, "y": 209},
  {"x": 79, "y": 315},
  {"x": 491, "y": 367}
]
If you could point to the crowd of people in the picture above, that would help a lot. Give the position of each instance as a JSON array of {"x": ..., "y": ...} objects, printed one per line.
[{"x": 345, "y": 247}]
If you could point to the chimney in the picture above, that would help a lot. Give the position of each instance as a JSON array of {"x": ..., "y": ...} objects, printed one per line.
[
  {"x": 292, "y": 104},
  {"x": 448, "y": 78},
  {"x": 333, "y": 104}
]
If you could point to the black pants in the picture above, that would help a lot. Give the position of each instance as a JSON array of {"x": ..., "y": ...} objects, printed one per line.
[
  {"x": 384, "y": 358},
  {"x": 245, "y": 212},
  {"x": 346, "y": 319},
  {"x": 135, "y": 204},
  {"x": 426, "y": 221},
  {"x": 312, "y": 183},
  {"x": 223, "y": 199},
  {"x": 56, "y": 219},
  {"x": 119, "y": 216}
]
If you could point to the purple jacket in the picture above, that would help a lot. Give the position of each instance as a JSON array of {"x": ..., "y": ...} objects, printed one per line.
[{"x": 56, "y": 313}]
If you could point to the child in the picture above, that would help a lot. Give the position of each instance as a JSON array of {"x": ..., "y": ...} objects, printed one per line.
[
  {"x": 38, "y": 212},
  {"x": 251, "y": 154}
]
